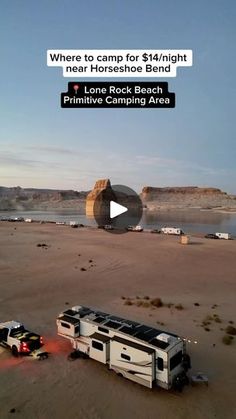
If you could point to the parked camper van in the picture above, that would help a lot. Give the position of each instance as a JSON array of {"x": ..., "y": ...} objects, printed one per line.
[
  {"x": 225, "y": 236},
  {"x": 172, "y": 230},
  {"x": 138, "y": 352}
]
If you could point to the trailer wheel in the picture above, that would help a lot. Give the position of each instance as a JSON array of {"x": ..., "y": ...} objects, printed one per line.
[{"x": 14, "y": 351}]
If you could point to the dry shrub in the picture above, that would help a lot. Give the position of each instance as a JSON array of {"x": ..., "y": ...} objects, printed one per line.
[
  {"x": 145, "y": 304},
  {"x": 146, "y": 297},
  {"x": 179, "y": 307},
  {"x": 209, "y": 318},
  {"x": 227, "y": 340},
  {"x": 128, "y": 303},
  {"x": 205, "y": 323},
  {"x": 157, "y": 302},
  {"x": 231, "y": 330}
]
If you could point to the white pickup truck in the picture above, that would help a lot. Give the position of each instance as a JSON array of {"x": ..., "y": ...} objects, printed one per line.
[
  {"x": 135, "y": 228},
  {"x": 14, "y": 336}
]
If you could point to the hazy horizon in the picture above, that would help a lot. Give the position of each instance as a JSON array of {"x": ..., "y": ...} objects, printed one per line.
[{"x": 89, "y": 189}]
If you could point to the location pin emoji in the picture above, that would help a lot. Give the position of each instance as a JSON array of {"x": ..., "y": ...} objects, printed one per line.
[{"x": 76, "y": 88}]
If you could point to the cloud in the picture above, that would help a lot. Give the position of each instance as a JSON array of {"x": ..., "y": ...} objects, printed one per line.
[
  {"x": 58, "y": 167},
  {"x": 50, "y": 149},
  {"x": 175, "y": 164},
  {"x": 11, "y": 160}
]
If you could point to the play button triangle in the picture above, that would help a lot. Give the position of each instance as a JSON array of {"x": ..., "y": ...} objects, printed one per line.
[{"x": 116, "y": 209}]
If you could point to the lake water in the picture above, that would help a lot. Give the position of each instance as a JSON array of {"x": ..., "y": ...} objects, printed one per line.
[{"x": 191, "y": 221}]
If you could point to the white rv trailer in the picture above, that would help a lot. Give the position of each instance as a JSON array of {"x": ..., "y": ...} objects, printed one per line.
[
  {"x": 225, "y": 236},
  {"x": 172, "y": 230},
  {"x": 138, "y": 352}
]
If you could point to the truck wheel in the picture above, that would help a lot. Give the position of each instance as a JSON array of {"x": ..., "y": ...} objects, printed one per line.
[{"x": 14, "y": 351}]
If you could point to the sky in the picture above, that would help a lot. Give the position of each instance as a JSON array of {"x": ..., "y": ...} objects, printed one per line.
[{"x": 44, "y": 146}]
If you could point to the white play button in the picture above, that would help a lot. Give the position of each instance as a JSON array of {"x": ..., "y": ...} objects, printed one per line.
[{"x": 116, "y": 209}]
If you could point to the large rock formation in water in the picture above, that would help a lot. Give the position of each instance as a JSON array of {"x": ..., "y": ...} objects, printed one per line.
[{"x": 101, "y": 191}]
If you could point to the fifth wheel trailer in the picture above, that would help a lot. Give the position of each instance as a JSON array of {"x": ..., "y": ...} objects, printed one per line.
[
  {"x": 225, "y": 236},
  {"x": 138, "y": 352},
  {"x": 172, "y": 230}
]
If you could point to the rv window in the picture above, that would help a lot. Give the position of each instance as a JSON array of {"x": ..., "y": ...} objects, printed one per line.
[
  {"x": 175, "y": 360},
  {"x": 102, "y": 329},
  {"x": 97, "y": 345},
  {"x": 66, "y": 325},
  {"x": 160, "y": 364},
  {"x": 124, "y": 356}
]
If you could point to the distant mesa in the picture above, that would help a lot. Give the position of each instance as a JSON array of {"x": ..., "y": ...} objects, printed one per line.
[
  {"x": 102, "y": 191},
  {"x": 150, "y": 192},
  {"x": 187, "y": 197},
  {"x": 17, "y": 198}
]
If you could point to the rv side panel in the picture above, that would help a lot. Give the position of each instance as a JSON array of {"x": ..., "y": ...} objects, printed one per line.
[{"x": 133, "y": 361}]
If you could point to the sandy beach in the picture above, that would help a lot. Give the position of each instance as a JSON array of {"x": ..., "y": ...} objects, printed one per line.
[{"x": 36, "y": 283}]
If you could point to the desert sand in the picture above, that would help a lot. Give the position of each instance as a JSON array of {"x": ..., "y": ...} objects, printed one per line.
[{"x": 37, "y": 283}]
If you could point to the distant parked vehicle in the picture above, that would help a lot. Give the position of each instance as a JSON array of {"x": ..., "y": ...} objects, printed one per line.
[
  {"x": 211, "y": 236},
  {"x": 172, "y": 230},
  {"x": 60, "y": 223},
  {"x": 74, "y": 224},
  {"x": 108, "y": 227},
  {"x": 19, "y": 219},
  {"x": 28, "y": 220},
  {"x": 134, "y": 228},
  {"x": 225, "y": 236}
]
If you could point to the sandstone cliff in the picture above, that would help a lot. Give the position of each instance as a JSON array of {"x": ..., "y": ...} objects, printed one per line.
[
  {"x": 38, "y": 199},
  {"x": 190, "y": 196},
  {"x": 152, "y": 197}
]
